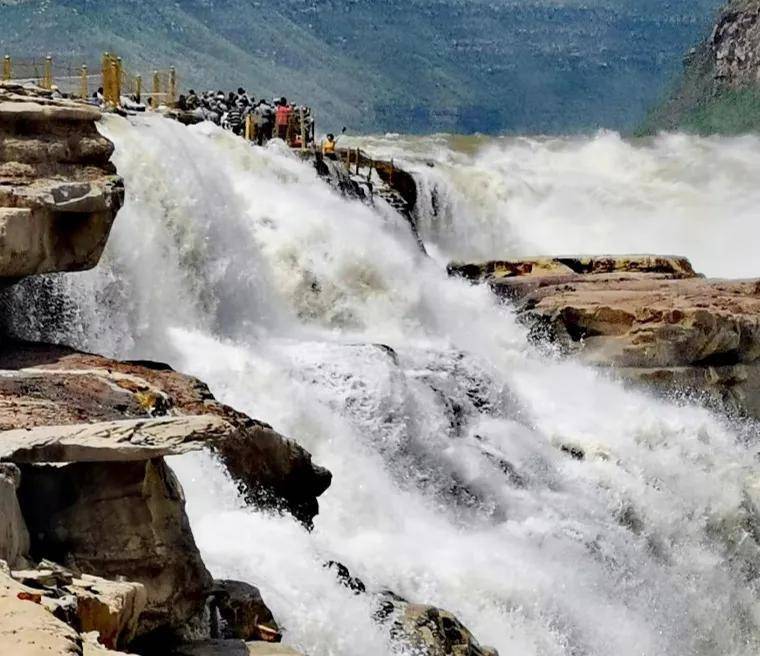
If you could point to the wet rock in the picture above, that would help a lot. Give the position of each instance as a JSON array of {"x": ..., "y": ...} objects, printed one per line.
[
  {"x": 233, "y": 648},
  {"x": 14, "y": 537},
  {"x": 243, "y": 612},
  {"x": 28, "y": 629},
  {"x": 120, "y": 520},
  {"x": 112, "y": 441},
  {"x": 344, "y": 576},
  {"x": 651, "y": 318},
  {"x": 59, "y": 194},
  {"x": 435, "y": 632},
  {"x": 264, "y": 649},
  {"x": 97, "y": 409}
]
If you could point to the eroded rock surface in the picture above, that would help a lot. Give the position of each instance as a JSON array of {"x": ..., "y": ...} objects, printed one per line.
[
  {"x": 651, "y": 318},
  {"x": 435, "y": 632},
  {"x": 120, "y": 520},
  {"x": 14, "y": 536},
  {"x": 59, "y": 193},
  {"x": 59, "y": 405}
]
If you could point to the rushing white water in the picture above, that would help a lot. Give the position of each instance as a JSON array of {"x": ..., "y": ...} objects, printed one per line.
[
  {"x": 673, "y": 194},
  {"x": 450, "y": 487}
]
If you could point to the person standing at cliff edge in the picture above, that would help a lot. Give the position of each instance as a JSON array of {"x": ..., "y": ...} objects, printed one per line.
[{"x": 328, "y": 147}]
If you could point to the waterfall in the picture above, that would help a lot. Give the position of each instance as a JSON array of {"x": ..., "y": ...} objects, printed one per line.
[
  {"x": 443, "y": 428},
  {"x": 525, "y": 196}
]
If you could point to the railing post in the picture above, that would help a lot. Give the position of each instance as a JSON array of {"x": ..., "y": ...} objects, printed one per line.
[
  {"x": 118, "y": 81},
  {"x": 7, "y": 68},
  {"x": 105, "y": 74},
  {"x": 172, "y": 86},
  {"x": 84, "y": 87},
  {"x": 138, "y": 88},
  {"x": 156, "y": 89},
  {"x": 113, "y": 92},
  {"x": 47, "y": 78},
  {"x": 302, "y": 116},
  {"x": 357, "y": 161}
]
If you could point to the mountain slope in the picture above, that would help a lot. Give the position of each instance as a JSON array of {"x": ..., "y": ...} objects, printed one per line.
[
  {"x": 406, "y": 65},
  {"x": 719, "y": 90}
]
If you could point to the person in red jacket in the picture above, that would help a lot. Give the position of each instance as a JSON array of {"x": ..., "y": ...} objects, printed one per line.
[{"x": 284, "y": 112}]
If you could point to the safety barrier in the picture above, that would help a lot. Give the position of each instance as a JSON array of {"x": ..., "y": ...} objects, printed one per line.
[
  {"x": 82, "y": 80},
  {"x": 299, "y": 133}
]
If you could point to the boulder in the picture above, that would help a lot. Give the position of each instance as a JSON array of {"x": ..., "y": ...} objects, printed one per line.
[
  {"x": 435, "y": 632},
  {"x": 59, "y": 193},
  {"x": 233, "y": 648},
  {"x": 650, "y": 318},
  {"x": 96, "y": 409},
  {"x": 14, "y": 537},
  {"x": 268, "y": 649},
  {"x": 243, "y": 613},
  {"x": 111, "y": 609},
  {"x": 89, "y": 604},
  {"x": 120, "y": 520},
  {"x": 27, "y": 628}
]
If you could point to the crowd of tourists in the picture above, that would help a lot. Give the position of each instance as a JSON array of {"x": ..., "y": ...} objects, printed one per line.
[{"x": 260, "y": 120}]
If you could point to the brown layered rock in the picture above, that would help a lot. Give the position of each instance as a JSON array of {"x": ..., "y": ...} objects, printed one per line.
[
  {"x": 59, "y": 193},
  {"x": 33, "y": 622},
  {"x": 435, "y": 632},
  {"x": 14, "y": 536},
  {"x": 120, "y": 520},
  {"x": 233, "y": 648},
  {"x": 109, "y": 610},
  {"x": 651, "y": 318},
  {"x": 243, "y": 613},
  {"x": 59, "y": 405}
]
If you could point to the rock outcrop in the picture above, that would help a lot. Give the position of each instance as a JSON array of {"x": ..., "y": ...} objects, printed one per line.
[
  {"x": 96, "y": 551},
  {"x": 242, "y": 613},
  {"x": 719, "y": 90},
  {"x": 120, "y": 520},
  {"x": 233, "y": 648},
  {"x": 435, "y": 632},
  {"x": 14, "y": 535},
  {"x": 87, "y": 436},
  {"x": 59, "y": 193},
  {"x": 651, "y": 318},
  {"x": 49, "y": 610},
  {"x": 59, "y": 405}
]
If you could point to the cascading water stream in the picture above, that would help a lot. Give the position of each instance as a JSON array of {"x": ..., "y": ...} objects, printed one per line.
[
  {"x": 442, "y": 428},
  {"x": 489, "y": 198}
]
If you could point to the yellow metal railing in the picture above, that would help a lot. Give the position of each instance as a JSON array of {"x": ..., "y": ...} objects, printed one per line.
[{"x": 79, "y": 81}]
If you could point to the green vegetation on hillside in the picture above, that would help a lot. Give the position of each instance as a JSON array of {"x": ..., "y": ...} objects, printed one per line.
[{"x": 401, "y": 65}]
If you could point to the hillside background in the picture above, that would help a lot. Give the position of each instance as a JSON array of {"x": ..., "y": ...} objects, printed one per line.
[{"x": 550, "y": 66}]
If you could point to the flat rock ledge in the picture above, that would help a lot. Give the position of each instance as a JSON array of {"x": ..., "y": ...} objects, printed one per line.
[
  {"x": 93, "y": 520},
  {"x": 59, "y": 192},
  {"x": 651, "y": 318},
  {"x": 59, "y": 405}
]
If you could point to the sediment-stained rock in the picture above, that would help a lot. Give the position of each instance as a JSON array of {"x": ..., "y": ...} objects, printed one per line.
[
  {"x": 59, "y": 193},
  {"x": 108, "y": 410},
  {"x": 28, "y": 629},
  {"x": 435, "y": 632},
  {"x": 233, "y": 648},
  {"x": 14, "y": 536},
  {"x": 651, "y": 318},
  {"x": 243, "y": 613},
  {"x": 89, "y": 604},
  {"x": 112, "y": 441},
  {"x": 120, "y": 519}
]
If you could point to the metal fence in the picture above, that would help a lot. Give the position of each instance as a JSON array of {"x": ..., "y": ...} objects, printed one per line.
[{"x": 83, "y": 80}]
